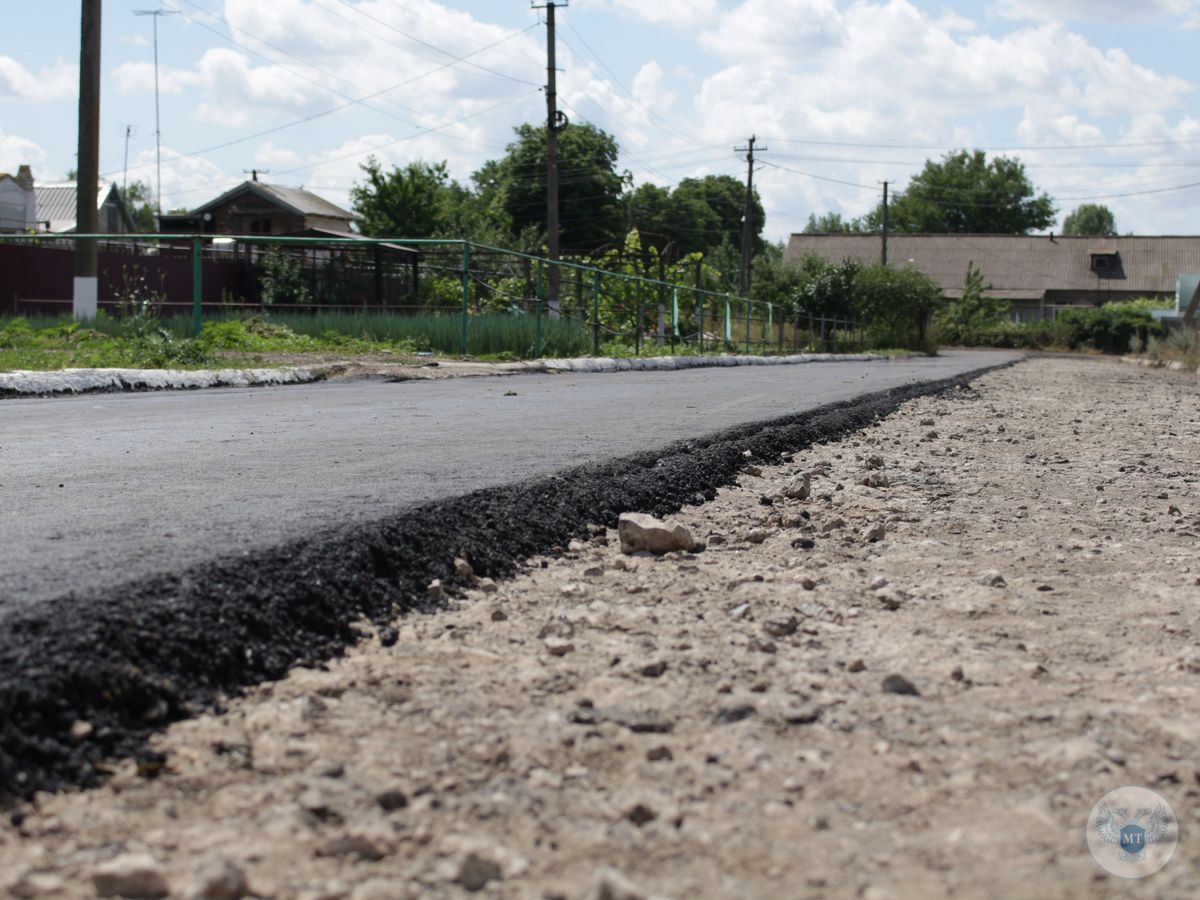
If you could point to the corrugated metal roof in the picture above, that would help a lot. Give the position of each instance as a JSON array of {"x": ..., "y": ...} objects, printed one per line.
[
  {"x": 1027, "y": 265},
  {"x": 56, "y": 203},
  {"x": 299, "y": 201}
]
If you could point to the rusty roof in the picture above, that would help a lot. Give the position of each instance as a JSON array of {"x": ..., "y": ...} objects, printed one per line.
[{"x": 1018, "y": 265}]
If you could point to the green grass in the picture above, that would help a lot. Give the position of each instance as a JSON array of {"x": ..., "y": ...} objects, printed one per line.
[{"x": 42, "y": 342}]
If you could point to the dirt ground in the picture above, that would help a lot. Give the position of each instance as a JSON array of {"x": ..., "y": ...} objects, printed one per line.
[{"x": 714, "y": 724}]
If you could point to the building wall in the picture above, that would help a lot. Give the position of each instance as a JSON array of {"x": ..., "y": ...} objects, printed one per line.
[{"x": 17, "y": 207}]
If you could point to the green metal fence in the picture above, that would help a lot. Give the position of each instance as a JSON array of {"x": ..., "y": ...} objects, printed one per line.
[{"x": 459, "y": 278}]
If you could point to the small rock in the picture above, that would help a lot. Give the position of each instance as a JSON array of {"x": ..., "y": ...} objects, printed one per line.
[
  {"x": 808, "y": 583},
  {"x": 927, "y": 422},
  {"x": 640, "y": 813},
  {"x": 752, "y": 471},
  {"x": 875, "y": 533},
  {"x": 889, "y": 600},
  {"x": 81, "y": 730},
  {"x": 574, "y": 589},
  {"x": 556, "y": 646},
  {"x": 877, "y": 583},
  {"x": 875, "y": 462},
  {"x": 803, "y": 543},
  {"x": 640, "y": 532},
  {"x": 802, "y": 715},
  {"x": 220, "y": 880},
  {"x": 992, "y": 578},
  {"x": 856, "y": 665},
  {"x": 463, "y": 570},
  {"x": 37, "y": 884},
  {"x": 475, "y": 871},
  {"x": 487, "y": 585},
  {"x": 781, "y": 626},
  {"x": 660, "y": 753},
  {"x": 757, "y": 535},
  {"x": 875, "y": 480},
  {"x": 741, "y": 611},
  {"x": 593, "y": 571},
  {"x": 760, "y": 646},
  {"x": 728, "y": 714},
  {"x": 798, "y": 487},
  {"x": 435, "y": 590},
  {"x": 499, "y": 615},
  {"x": 609, "y": 884},
  {"x": 957, "y": 673},
  {"x": 576, "y": 546},
  {"x": 131, "y": 875},
  {"x": 898, "y": 684},
  {"x": 654, "y": 669},
  {"x": 388, "y": 636},
  {"x": 362, "y": 844},
  {"x": 392, "y": 799},
  {"x": 1045, "y": 587},
  {"x": 833, "y": 524}
]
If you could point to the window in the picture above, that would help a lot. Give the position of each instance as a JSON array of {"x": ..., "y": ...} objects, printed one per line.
[{"x": 1104, "y": 262}]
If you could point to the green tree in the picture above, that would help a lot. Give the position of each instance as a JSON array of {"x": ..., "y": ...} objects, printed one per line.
[
  {"x": 140, "y": 205},
  {"x": 1090, "y": 219},
  {"x": 897, "y": 304},
  {"x": 725, "y": 198},
  {"x": 417, "y": 201},
  {"x": 833, "y": 223},
  {"x": 965, "y": 193},
  {"x": 591, "y": 213},
  {"x": 974, "y": 310}
]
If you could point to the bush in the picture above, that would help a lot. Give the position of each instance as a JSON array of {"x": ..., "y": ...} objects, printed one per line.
[{"x": 1110, "y": 329}]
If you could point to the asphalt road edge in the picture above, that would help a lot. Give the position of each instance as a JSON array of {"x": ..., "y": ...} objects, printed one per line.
[{"x": 88, "y": 677}]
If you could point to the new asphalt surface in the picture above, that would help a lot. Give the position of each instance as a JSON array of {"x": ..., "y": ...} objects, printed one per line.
[
  {"x": 162, "y": 551},
  {"x": 100, "y": 489}
]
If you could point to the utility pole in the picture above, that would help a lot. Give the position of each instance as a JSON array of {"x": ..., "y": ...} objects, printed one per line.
[
  {"x": 884, "y": 233},
  {"x": 87, "y": 180},
  {"x": 555, "y": 122},
  {"x": 748, "y": 215},
  {"x": 156, "y": 14},
  {"x": 125, "y": 171}
]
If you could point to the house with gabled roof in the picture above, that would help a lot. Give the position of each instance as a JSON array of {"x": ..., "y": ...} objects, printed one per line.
[
  {"x": 254, "y": 207},
  {"x": 50, "y": 208},
  {"x": 1037, "y": 274}
]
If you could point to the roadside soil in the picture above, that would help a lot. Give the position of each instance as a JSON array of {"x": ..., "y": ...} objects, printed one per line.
[{"x": 713, "y": 724}]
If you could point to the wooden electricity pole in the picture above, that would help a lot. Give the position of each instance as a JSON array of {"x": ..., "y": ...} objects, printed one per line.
[
  {"x": 87, "y": 180},
  {"x": 555, "y": 122},
  {"x": 748, "y": 216}
]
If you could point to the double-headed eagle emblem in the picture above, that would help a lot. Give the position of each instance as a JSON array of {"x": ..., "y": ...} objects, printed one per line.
[{"x": 1132, "y": 834}]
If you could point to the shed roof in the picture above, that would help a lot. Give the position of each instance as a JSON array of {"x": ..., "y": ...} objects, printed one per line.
[{"x": 1023, "y": 266}]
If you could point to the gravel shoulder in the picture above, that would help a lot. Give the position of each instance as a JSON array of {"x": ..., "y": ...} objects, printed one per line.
[{"x": 714, "y": 724}]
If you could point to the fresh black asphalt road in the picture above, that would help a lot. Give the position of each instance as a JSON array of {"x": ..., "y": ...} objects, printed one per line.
[{"x": 100, "y": 489}]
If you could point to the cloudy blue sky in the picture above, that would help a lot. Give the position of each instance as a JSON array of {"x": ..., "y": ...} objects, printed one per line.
[{"x": 1097, "y": 97}]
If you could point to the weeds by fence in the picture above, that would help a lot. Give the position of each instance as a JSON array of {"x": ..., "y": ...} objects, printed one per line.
[{"x": 450, "y": 296}]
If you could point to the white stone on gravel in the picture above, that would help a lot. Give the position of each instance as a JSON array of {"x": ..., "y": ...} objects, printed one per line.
[
  {"x": 136, "y": 875},
  {"x": 219, "y": 880},
  {"x": 641, "y": 532}
]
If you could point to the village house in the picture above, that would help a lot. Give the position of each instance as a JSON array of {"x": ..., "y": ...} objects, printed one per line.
[
  {"x": 26, "y": 207},
  {"x": 254, "y": 208},
  {"x": 1037, "y": 274}
]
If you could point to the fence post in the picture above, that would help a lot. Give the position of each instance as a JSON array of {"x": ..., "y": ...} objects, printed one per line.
[
  {"x": 466, "y": 295},
  {"x": 197, "y": 310},
  {"x": 537, "y": 311},
  {"x": 637, "y": 331},
  {"x": 596, "y": 313},
  {"x": 700, "y": 322},
  {"x": 746, "y": 303},
  {"x": 674, "y": 316},
  {"x": 728, "y": 321}
]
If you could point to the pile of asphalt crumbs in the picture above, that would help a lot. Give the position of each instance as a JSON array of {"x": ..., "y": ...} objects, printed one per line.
[{"x": 129, "y": 660}]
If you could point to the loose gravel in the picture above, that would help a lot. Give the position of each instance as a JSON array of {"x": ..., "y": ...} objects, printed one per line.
[{"x": 912, "y": 677}]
